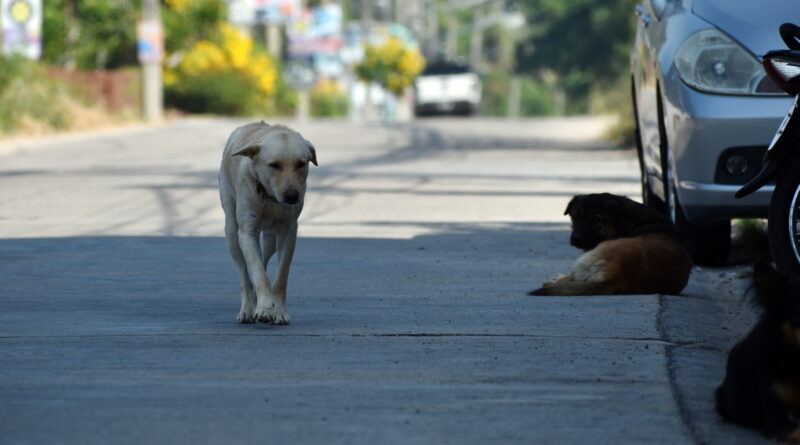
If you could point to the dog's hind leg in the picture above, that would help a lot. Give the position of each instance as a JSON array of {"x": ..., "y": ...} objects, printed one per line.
[{"x": 247, "y": 312}]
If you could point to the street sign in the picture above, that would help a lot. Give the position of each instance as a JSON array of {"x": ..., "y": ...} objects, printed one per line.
[
  {"x": 299, "y": 75},
  {"x": 21, "y": 24},
  {"x": 263, "y": 12}
]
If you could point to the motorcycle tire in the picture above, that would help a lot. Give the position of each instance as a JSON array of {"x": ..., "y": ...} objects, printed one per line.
[{"x": 784, "y": 220}]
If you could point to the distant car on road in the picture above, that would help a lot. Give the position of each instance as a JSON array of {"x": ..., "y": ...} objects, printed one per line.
[
  {"x": 705, "y": 111},
  {"x": 447, "y": 88}
]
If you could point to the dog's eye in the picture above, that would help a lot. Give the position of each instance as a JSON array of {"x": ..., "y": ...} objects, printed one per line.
[
  {"x": 301, "y": 165},
  {"x": 275, "y": 165}
]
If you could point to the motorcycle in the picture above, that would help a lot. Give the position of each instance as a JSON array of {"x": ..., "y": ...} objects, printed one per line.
[{"x": 781, "y": 162}]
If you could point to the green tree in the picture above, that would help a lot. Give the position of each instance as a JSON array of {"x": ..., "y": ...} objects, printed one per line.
[
  {"x": 188, "y": 22},
  {"x": 585, "y": 42},
  {"x": 91, "y": 34}
]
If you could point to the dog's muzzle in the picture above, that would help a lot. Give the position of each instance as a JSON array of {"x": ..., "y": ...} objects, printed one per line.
[
  {"x": 291, "y": 197},
  {"x": 582, "y": 242}
]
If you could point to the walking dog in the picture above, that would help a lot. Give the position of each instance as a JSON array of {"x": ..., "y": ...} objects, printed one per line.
[
  {"x": 262, "y": 183},
  {"x": 630, "y": 249},
  {"x": 761, "y": 389}
]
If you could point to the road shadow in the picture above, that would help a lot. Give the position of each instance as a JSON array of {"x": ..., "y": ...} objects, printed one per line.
[{"x": 115, "y": 284}]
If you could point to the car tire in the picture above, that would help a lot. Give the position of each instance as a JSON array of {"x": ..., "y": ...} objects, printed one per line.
[
  {"x": 709, "y": 245},
  {"x": 784, "y": 215}
]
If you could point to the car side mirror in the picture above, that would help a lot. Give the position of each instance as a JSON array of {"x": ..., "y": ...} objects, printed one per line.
[{"x": 657, "y": 7}]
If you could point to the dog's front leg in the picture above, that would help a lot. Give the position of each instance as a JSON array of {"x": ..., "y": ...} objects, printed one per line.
[
  {"x": 266, "y": 302},
  {"x": 286, "y": 244}
]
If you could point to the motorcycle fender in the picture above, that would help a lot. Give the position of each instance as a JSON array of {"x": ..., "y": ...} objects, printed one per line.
[{"x": 786, "y": 146}]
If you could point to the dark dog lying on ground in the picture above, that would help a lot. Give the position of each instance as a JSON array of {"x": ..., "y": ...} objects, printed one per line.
[
  {"x": 762, "y": 382},
  {"x": 631, "y": 249}
]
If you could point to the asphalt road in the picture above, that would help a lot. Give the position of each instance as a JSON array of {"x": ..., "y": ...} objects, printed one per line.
[{"x": 410, "y": 322}]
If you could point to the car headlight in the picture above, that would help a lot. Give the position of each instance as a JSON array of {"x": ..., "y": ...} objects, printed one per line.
[{"x": 711, "y": 61}]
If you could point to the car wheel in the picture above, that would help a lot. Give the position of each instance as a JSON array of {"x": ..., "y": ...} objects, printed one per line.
[
  {"x": 784, "y": 220},
  {"x": 709, "y": 245}
]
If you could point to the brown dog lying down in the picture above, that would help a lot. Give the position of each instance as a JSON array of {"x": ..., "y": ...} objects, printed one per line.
[{"x": 630, "y": 249}]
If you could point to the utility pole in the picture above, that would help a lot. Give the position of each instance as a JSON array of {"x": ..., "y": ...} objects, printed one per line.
[
  {"x": 451, "y": 45},
  {"x": 151, "y": 66},
  {"x": 476, "y": 42},
  {"x": 273, "y": 38},
  {"x": 432, "y": 47},
  {"x": 514, "y": 95},
  {"x": 71, "y": 32},
  {"x": 366, "y": 24}
]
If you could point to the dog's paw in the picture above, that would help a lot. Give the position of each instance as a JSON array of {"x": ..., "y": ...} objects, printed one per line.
[
  {"x": 281, "y": 317},
  {"x": 246, "y": 317},
  {"x": 272, "y": 313},
  {"x": 540, "y": 291},
  {"x": 247, "y": 313}
]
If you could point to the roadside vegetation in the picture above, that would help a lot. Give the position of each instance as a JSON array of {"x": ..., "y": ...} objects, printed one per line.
[
  {"x": 569, "y": 58},
  {"x": 32, "y": 102},
  {"x": 566, "y": 58}
]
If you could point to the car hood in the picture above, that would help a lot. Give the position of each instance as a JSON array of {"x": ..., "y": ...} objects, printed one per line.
[{"x": 754, "y": 24}]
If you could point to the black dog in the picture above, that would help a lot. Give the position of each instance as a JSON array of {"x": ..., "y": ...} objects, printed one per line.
[
  {"x": 762, "y": 382},
  {"x": 631, "y": 249}
]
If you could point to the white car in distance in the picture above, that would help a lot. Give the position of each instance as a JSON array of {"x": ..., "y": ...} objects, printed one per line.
[{"x": 447, "y": 88}]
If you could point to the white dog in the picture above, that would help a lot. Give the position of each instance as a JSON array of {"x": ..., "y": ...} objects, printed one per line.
[{"x": 262, "y": 183}]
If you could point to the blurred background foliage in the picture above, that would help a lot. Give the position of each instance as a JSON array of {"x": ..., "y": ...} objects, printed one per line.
[
  {"x": 391, "y": 65},
  {"x": 566, "y": 57},
  {"x": 212, "y": 67}
]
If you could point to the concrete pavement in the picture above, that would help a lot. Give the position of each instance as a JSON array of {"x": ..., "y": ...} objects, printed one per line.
[{"x": 410, "y": 323}]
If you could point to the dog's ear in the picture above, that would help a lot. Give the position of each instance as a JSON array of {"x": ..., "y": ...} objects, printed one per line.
[
  {"x": 572, "y": 203},
  {"x": 770, "y": 285},
  {"x": 313, "y": 157},
  {"x": 250, "y": 151}
]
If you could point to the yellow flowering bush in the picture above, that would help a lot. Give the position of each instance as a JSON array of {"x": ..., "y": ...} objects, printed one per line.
[
  {"x": 392, "y": 65},
  {"x": 235, "y": 54},
  {"x": 179, "y": 5},
  {"x": 223, "y": 74}
]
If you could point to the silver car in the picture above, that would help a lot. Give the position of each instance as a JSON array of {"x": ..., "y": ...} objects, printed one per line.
[{"x": 705, "y": 111}]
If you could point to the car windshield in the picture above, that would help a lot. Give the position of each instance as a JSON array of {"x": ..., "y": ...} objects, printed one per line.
[{"x": 445, "y": 68}]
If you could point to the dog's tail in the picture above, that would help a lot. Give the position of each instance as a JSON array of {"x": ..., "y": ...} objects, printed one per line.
[{"x": 576, "y": 288}]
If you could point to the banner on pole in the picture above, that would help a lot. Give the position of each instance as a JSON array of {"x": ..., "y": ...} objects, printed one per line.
[
  {"x": 21, "y": 24},
  {"x": 150, "y": 41}
]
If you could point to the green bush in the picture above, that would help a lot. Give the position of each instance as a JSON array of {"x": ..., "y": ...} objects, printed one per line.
[
  {"x": 328, "y": 103},
  {"x": 284, "y": 101},
  {"x": 495, "y": 94},
  {"x": 615, "y": 99},
  {"x": 536, "y": 98},
  {"x": 27, "y": 95},
  {"x": 216, "y": 93}
]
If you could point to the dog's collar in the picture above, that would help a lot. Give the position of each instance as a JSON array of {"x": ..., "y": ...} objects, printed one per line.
[{"x": 262, "y": 191}]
